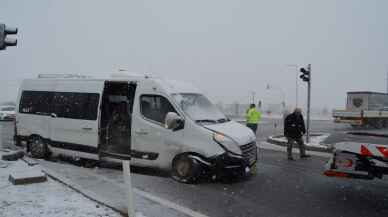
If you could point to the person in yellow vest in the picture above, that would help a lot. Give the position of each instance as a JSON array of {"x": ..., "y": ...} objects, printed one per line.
[{"x": 252, "y": 117}]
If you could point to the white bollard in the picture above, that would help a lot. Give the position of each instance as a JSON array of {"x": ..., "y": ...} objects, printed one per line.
[{"x": 127, "y": 178}]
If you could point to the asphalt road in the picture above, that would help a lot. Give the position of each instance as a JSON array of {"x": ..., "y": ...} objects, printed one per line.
[
  {"x": 280, "y": 188},
  {"x": 338, "y": 132}
]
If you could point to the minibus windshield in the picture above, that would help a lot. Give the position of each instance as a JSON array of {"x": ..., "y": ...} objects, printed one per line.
[{"x": 199, "y": 108}]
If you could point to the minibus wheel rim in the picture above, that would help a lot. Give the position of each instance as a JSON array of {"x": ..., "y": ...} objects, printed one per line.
[
  {"x": 183, "y": 167},
  {"x": 38, "y": 148}
]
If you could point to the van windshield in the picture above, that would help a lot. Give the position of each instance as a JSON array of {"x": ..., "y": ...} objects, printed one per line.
[{"x": 199, "y": 108}]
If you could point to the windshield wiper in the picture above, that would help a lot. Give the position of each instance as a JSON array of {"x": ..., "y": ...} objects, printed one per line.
[
  {"x": 223, "y": 120},
  {"x": 206, "y": 120}
]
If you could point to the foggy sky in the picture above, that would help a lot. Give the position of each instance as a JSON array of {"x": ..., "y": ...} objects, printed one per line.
[{"x": 227, "y": 48}]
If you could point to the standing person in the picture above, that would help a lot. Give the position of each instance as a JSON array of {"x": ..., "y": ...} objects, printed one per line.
[
  {"x": 294, "y": 129},
  {"x": 252, "y": 117}
]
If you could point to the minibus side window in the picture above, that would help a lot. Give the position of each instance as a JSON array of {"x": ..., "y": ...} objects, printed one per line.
[
  {"x": 35, "y": 102},
  {"x": 155, "y": 107},
  {"x": 76, "y": 105}
]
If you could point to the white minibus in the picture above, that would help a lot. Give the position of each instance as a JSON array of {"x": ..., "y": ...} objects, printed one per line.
[{"x": 155, "y": 122}]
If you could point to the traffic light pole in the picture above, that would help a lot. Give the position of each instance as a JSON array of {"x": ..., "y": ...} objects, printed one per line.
[{"x": 308, "y": 105}]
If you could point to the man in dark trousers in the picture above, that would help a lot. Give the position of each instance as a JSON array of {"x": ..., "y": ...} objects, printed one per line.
[{"x": 294, "y": 129}]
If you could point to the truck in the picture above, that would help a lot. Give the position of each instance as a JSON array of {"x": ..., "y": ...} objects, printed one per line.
[
  {"x": 364, "y": 109},
  {"x": 362, "y": 159}
]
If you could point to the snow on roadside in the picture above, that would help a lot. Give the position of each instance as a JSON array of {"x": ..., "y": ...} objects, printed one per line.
[
  {"x": 48, "y": 199},
  {"x": 315, "y": 141}
]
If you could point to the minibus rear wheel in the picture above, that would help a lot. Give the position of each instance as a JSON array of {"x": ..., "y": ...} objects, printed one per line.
[
  {"x": 185, "y": 169},
  {"x": 38, "y": 148}
]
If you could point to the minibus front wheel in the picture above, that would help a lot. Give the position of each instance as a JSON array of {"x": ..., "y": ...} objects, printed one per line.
[
  {"x": 185, "y": 169},
  {"x": 38, "y": 148}
]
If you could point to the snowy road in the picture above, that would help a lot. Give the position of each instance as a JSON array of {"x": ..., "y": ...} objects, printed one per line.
[{"x": 280, "y": 188}]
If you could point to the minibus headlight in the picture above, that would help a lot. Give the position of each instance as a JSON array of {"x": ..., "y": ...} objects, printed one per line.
[{"x": 227, "y": 143}]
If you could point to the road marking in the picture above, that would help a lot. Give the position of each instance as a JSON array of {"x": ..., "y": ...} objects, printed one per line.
[{"x": 169, "y": 204}]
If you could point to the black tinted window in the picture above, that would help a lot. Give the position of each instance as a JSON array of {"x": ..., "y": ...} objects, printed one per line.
[
  {"x": 76, "y": 105},
  {"x": 155, "y": 107},
  {"x": 35, "y": 102}
]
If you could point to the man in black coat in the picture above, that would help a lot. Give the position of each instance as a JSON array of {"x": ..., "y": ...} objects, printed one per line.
[{"x": 294, "y": 129}]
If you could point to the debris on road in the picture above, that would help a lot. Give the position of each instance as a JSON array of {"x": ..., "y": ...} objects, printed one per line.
[
  {"x": 30, "y": 176},
  {"x": 30, "y": 161},
  {"x": 12, "y": 155}
]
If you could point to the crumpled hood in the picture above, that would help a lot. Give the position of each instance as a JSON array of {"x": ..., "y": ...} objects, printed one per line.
[{"x": 238, "y": 132}]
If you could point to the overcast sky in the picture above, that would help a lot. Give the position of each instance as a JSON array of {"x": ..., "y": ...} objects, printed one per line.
[{"x": 228, "y": 48}]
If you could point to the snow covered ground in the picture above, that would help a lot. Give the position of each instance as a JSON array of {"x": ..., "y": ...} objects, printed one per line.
[{"x": 47, "y": 199}]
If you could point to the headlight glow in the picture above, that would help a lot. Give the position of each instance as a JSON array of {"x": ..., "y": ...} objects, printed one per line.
[{"x": 227, "y": 143}]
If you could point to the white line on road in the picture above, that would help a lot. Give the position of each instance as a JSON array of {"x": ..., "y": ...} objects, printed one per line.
[{"x": 168, "y": 203}]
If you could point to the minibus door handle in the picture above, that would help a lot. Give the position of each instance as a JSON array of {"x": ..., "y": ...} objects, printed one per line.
[
  {"x": 87, "y": 128},
  {"x": 141, "y": 132}
]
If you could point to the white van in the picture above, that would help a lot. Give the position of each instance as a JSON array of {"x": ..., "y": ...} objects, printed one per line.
[{"x": 155, "y": 122}]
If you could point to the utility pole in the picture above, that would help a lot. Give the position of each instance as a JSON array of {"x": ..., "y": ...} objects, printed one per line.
[
  {"x": 308, "y": 104},
  {"x": 306, "y": 77},
  {"x": 253, "y": 97},
  {"x": 296, "y": 84},
  {"x": 296, "y": 89},
  {"x": 387, "y": 81}
]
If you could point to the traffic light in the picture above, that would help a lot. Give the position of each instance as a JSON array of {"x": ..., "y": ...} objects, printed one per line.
[
  {"x": 4, "y": 40},
  {"x": 305, "y": 76}
]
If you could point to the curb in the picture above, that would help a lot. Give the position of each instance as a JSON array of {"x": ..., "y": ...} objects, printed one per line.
[
  {"x": 88, "y": 194},
  {"x": 274, "y": 140},
  {"x": 119, "y": 207}
]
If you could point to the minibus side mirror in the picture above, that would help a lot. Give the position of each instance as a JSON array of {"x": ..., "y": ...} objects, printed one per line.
[{"x": 173, "y": 121}]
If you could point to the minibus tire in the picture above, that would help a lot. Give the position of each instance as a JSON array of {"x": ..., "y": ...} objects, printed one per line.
[
  {"x": 193, "y": 168},
  {"x": 38, "y": 148}
]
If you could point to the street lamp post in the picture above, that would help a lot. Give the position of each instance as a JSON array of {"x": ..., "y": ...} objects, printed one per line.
[
  {"x": 253, "y": 97},
  {"x": 296, "y": 83},
  {"x": 269, "y": 87}
]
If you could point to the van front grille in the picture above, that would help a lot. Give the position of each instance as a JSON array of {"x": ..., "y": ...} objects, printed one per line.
[{"x": 249, "y": 152}]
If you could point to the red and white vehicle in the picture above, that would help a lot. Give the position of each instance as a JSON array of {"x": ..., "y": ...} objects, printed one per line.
[{"x": 359, "y": 160}]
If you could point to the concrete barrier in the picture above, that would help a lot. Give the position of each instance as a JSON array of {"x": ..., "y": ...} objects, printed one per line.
[{"x": 277, "y": 140}]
